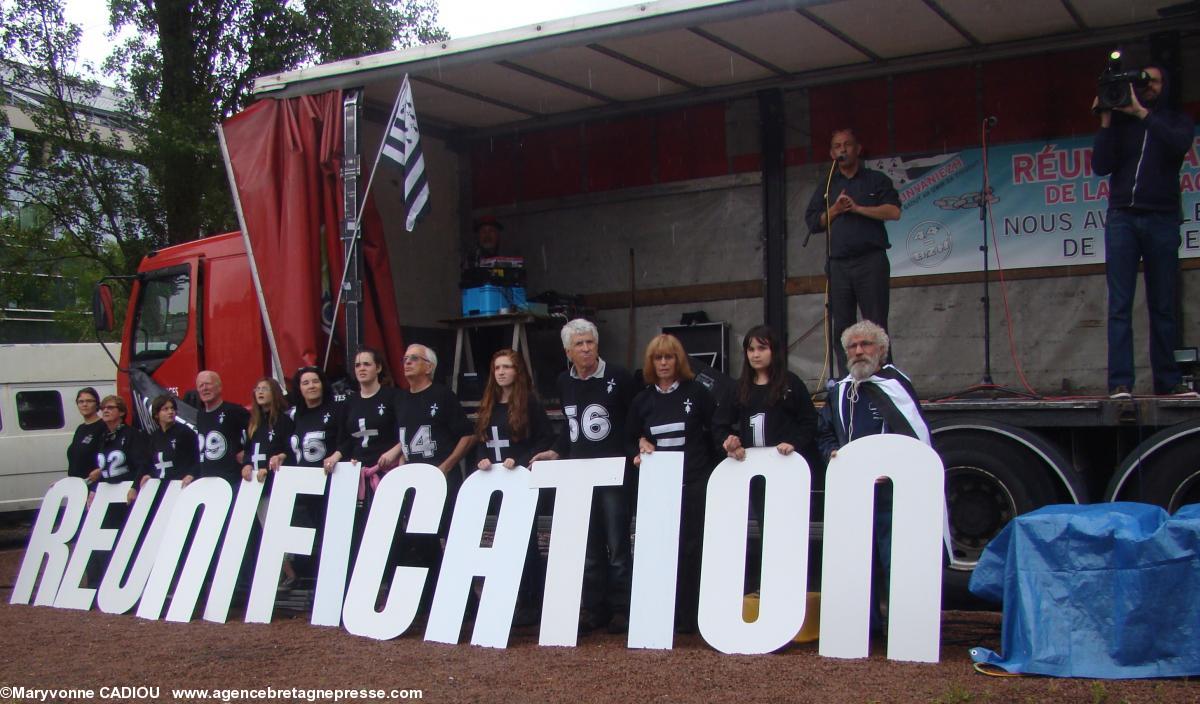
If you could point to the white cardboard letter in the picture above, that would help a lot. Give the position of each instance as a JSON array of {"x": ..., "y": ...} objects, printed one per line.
[
  {"x": 499, "y": 565},
  {"x": 113, "y": 597},
  {"x": 280, "y": 536},
  {"x": 656, "y": 559},
  {"x": 335, "y": 545},
  {"x": 404, "y": 596},
  {"x": 69, "y": 494},
  {"x": 92, "y": 538},
  {"x": 213, "y": 495},
  {"x": 574, "y": 481},
  {"x": 233, "y": 550},
  {"x": 914, "y": 599},
  {"x": 784, "y": 552}
]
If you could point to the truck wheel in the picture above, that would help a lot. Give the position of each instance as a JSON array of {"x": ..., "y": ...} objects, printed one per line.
[
  {"x": 1163, "y": 470},
  {"x": 993, "y": 474}
]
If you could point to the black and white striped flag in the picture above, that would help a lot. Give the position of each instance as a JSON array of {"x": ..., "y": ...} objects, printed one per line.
[{"x": 402, "y": 145}]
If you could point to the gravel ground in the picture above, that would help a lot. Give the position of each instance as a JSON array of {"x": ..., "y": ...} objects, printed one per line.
[{"x": 48, "y": 647}]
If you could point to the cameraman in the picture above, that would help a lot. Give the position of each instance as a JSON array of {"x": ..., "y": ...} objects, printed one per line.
[{"x": 1142, "y": 146}]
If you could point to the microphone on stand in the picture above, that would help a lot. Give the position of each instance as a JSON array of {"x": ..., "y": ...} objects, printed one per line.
[{"x": 828, "y": 180}]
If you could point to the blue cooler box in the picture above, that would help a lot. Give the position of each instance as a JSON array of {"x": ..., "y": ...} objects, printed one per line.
[{"x": 489, "y": 300}]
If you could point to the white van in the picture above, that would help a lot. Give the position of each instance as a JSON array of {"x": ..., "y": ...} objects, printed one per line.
[{"x": 38, "y": 384}]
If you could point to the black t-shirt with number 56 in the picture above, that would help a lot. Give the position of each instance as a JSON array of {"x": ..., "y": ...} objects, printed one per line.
[{"x": 596, "y": 409}]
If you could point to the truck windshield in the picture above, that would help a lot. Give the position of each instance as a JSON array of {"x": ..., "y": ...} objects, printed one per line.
[{"x": 162, "y": 315}]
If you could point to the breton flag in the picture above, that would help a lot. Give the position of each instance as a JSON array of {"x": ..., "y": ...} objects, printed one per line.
[{"x": 402, "y": 145}]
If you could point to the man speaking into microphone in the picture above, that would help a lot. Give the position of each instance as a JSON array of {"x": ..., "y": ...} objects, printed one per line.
[{"x": 854, "y": 203}]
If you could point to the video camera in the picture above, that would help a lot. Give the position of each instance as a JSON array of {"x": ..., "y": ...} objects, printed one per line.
[{"x": 1113, "y": 88}]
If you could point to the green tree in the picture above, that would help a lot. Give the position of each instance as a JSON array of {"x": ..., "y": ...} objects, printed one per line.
[
  {"x": 191, "y": 64},
  {"x": 90, "y": 181},
  {"x": 71, "y": 205}
]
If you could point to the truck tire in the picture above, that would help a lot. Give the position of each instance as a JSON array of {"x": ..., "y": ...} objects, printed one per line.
[
  {"x": 994, "y": 473},
  {"x": 1163, "y": 470}
]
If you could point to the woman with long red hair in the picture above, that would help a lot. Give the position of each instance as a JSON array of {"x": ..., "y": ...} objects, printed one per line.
[
  {"x": 511, "y": 428},
  {"x": 510, "y": 411}
]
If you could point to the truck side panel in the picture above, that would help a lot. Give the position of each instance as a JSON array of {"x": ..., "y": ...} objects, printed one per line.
[{"x": 235, "y": 345}]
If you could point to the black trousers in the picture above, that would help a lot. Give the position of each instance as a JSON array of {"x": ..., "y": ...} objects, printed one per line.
[
  {"x": 608, "y": 564},
  {"x": 856, "y": 284},
  {"x": 691, "y": 543}
]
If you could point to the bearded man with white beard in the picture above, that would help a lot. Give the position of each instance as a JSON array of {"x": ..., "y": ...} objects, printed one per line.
[{"x": 874, "y": 398}]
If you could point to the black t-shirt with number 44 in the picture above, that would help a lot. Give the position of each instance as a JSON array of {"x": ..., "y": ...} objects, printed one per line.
[{"x": 430, "y": 423}]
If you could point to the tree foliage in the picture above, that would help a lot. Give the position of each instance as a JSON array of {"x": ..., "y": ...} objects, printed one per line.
[
  {"x": 192, "y": 63},
  {"x": 106, "y": 193},
  {"x": 74, "y": 205}
]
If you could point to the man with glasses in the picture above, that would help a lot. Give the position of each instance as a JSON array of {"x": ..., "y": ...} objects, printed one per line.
[
  {"x": 432, "y": 429},
  {"x": 1141, "y": 148},
  {"x": 429, "y": 419}
]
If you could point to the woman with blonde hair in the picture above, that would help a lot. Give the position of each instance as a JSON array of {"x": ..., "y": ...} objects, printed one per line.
[
  {"x": 675, "y": 413},
  {"x": 269, "y": 432},
  {"x": 268, "y": 439}
]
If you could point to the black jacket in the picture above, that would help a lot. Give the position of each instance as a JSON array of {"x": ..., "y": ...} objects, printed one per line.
[{"x": 1144, "y": 157}]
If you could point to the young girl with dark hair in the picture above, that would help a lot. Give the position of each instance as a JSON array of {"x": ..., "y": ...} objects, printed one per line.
[
  {"x": 174, "y": 451},
  {"x": 369, "y": 421},
  {"x": 772, "y": 407}
]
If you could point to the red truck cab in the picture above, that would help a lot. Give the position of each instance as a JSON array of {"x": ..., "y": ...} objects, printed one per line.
[{"x": 193, "y": 307}]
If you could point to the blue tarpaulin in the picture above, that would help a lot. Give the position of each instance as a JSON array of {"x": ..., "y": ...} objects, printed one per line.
[{"x": 1106, "y": 590}]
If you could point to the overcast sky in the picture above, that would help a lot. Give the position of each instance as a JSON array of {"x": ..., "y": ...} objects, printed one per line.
[{"x": 462, "y": 18}]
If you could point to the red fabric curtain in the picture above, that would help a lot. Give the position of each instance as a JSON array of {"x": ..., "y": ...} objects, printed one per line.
[{"x": 286, "y": 157}]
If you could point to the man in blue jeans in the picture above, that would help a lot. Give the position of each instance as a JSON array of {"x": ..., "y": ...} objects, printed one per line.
[{"x": 1142, "y": 147}]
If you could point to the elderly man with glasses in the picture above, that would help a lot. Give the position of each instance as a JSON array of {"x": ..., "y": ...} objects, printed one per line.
[{"x": 432, "y": 429}]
